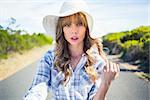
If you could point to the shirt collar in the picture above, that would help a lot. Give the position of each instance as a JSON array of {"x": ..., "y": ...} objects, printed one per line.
[{"x": 80, "y": 64}]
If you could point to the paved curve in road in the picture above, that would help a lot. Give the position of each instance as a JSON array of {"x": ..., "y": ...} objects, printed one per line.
[{"x": 127, "y": 87}]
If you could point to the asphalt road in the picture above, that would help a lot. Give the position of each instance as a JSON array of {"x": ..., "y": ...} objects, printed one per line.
[{"x": 127, "y": 87}]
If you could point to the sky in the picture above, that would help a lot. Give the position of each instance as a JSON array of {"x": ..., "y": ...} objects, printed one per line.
[{"x": 109, "y": 15}]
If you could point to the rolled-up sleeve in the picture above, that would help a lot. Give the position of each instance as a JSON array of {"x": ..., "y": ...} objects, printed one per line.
[{"x": 42, "y": 81}]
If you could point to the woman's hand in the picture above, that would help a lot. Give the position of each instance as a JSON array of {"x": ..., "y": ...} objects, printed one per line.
[{"x": 110, "y": 72}]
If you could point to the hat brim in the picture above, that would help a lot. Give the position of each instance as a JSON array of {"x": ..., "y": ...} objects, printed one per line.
[{"x": 50, "y": 22}]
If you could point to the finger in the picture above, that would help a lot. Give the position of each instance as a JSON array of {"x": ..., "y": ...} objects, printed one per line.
[
  {"x": 108, "y": 66},
  {"x": 117, "y": 74},
  {"x": 115, "y": 67},
  {"x": 114, "y": 71},
  {"x": 111, "y": 67},
  {"x": 118, "y": 67},
  {"x": 104, "y": 69}
]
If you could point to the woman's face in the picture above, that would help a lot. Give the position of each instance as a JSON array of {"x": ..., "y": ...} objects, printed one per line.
[{"x": 74, "y": 31}]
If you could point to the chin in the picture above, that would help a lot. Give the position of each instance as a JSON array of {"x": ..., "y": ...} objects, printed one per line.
[{"x": 74, "y": 43}]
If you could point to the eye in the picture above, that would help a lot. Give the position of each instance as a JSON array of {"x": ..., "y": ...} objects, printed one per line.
[
  {"x": 67, "y": 25},
  {"x": 79, "y": 24}
]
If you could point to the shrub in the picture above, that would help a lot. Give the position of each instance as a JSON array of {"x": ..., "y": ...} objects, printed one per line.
[
  {"x": 17, "y": 43},
  {"x": 145, "y": 56},
  {"x": 4, "y": 42},
  {"x": 134, "y": 44},
  {"x": 132, "y": 50}
]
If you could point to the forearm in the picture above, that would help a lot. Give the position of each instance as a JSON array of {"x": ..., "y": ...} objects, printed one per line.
[
  {"x": 101, "y": 93},
  {"x": 37, "y": 92}
]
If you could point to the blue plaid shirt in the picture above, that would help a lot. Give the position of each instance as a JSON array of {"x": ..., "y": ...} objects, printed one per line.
[{"x": 48, "y": 79}]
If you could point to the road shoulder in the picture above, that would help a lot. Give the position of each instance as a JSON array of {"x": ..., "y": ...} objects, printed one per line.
[
  {"x": 17, "y": 61},
  {"x": 140, "y": 74}
]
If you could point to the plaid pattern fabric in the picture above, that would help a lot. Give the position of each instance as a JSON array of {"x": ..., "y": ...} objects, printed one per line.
[{"x": 79, "y": 87}]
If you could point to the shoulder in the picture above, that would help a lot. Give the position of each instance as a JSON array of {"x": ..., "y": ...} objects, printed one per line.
[{"x": 49, "y": 56}]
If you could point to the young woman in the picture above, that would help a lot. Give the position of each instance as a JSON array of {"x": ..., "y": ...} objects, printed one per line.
[{"x": 77, "y": 68}]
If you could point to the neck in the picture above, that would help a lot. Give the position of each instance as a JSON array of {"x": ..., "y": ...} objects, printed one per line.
[{"x": 76, "y": 51}]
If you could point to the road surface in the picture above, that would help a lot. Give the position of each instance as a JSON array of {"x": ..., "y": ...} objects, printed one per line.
[{"x": 127, "y": 87}]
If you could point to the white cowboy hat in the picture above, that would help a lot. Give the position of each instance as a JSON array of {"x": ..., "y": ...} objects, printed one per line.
[{"x": 67, "y": 8}]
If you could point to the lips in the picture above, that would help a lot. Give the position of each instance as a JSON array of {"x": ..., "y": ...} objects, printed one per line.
[{"x": 74, "y": 38}]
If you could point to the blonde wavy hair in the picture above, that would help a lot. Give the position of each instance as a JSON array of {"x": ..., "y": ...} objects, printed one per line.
[{"x": 62, "y": 56}]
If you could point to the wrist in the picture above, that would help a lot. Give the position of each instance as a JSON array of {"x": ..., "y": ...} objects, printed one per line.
[
  {"x": 101, "y": 93},
  {"x": 106, "y": 83}
]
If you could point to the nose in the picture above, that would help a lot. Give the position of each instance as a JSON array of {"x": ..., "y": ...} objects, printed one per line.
[{"x": 74, "y": 29}]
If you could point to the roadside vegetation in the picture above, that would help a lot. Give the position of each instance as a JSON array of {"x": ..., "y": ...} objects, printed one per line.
[
  {"x": 133, "y": 45},
  {"x": 19, "y": 40},
  {"x": 17, "y": 43}
]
